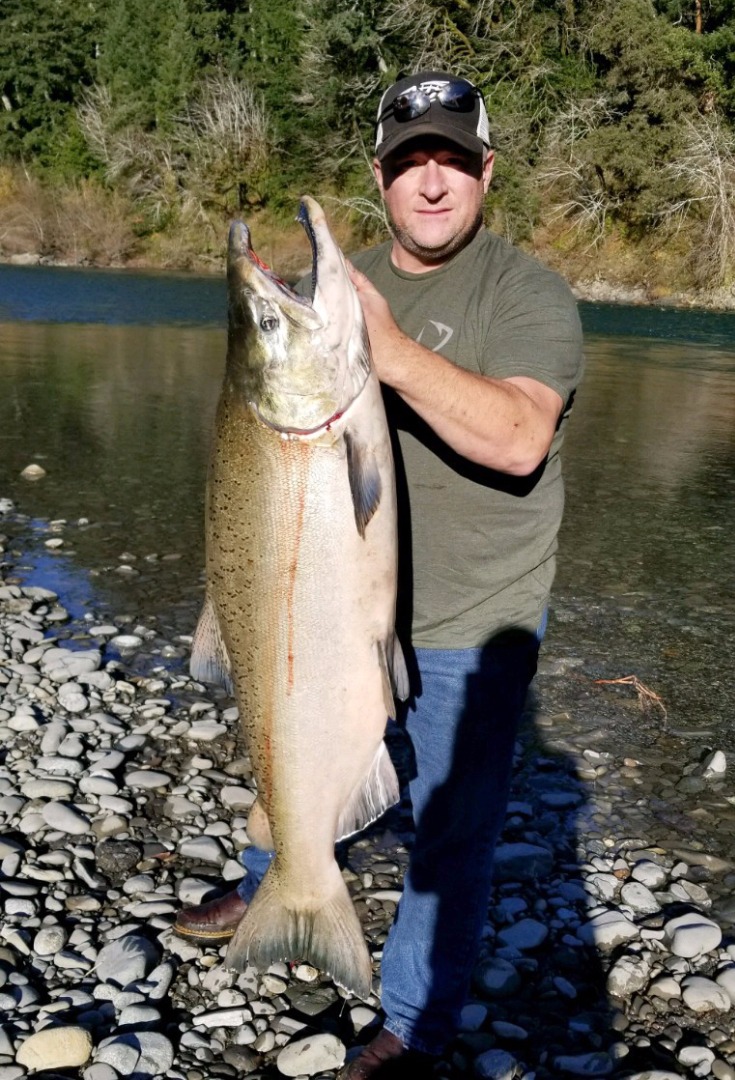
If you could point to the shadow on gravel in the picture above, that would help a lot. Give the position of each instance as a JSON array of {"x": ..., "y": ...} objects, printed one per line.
[{"x": 539, "y": 993}]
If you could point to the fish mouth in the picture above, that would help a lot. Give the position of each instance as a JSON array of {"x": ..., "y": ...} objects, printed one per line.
[{"x": 240, "y": 245}]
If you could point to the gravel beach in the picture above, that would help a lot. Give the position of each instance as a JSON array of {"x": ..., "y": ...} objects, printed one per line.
[{"x": 124, "y": 792}]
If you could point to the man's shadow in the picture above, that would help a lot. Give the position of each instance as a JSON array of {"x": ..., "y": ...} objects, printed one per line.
[{"x": 556, "y": 1006}]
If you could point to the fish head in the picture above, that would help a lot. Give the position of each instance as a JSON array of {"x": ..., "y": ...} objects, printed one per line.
[{"x": 298, "y": 363}]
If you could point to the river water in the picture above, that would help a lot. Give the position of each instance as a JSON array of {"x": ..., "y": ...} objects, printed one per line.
[{"x": 109, "y": 381}]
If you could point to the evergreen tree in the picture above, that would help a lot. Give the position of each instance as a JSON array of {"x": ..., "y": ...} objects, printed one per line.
[{"x": 47, "y": 51}]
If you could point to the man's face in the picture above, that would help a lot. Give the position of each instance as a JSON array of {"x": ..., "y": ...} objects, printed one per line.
[{"x": 433, "y": 192}]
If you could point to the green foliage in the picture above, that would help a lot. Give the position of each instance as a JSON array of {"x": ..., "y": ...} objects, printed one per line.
[
  {"x": 46, "y": 54},
  {"x": 148, "y": 60},
  {"x": 652, "y": 75},
  {"x": 590, "y": 101}
]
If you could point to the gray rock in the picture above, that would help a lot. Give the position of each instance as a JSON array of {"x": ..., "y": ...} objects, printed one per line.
[
  {"x": 692, "y": 935},
  {"x": 100, "y": 1071},
  {"x": 61, "y": 665},
  {"x": 496, "y": 1065},
  {"x": 525, "y": 934},
  {"x": 608, "y": 930},
  {"x": 639, "y": 898},
  {"x": 204, "y": 849},
  {"x": 49, "y": 940},
  {"x": 147, "y": 778},
  {"x": 496, "y": 977},
  {"x": 128, "y": 958},
  {"x": 522, "y": 862},
  {"x": 628, "y": 975},
  {"x": 594, "y": 1064},
  {"x": 65, "y": 818},
  {"x": 144, "y": 1053},
  {"x": 649, "y": 874},
  {"x": 117, "y": 858},
  {"x": 703, "y": 995},
  {"x": 656, "y": 1074}
]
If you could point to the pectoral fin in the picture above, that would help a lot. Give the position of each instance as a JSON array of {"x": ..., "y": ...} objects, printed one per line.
[
  {"x": 209, "y": 660},
  {"x": 365, "y": 483}
]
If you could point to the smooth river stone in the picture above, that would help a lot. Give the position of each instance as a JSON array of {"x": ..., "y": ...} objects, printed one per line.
[
  {"x": 314, "y": 1054},
  {"x": 65, "y": 818},
  {"x": 125, "y": 960},
  {"x": 56, "y": 1048},
  {"x": 692, "y": 935},
  {"x": 147, "y": 778}
]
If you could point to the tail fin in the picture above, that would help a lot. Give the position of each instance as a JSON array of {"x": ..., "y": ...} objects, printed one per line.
[{"x": 330, "y": 936}]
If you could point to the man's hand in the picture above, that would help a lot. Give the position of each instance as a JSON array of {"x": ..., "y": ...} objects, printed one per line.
[{"x": 386, "y": 337}]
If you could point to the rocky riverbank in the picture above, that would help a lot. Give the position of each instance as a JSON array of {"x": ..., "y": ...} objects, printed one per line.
[{"x": 124, "y": 793}]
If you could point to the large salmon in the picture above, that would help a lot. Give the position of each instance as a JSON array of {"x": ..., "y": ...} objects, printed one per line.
[{"x": 301, "y": 588}]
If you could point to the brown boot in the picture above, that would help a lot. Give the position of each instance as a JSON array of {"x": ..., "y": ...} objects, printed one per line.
[
  {"x": 212, "y": 923},
  {"x": 386, "y": 1058}
]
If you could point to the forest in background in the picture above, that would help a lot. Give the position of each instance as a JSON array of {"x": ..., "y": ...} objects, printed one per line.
[{"x": 134, "y": 130}]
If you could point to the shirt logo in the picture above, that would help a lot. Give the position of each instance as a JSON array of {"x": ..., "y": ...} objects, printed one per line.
[{"x": 435, "y": 330}]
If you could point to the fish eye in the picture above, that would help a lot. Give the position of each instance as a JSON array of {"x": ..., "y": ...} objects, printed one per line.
[{"x": 268, "y": 324}]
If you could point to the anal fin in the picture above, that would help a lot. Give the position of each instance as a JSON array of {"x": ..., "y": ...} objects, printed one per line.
[{"x": 372, "y": 796}]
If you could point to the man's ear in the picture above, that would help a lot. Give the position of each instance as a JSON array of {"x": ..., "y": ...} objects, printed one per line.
[
  {"x": 378, "y": 174},
  {"x": 487, "y": 169}
]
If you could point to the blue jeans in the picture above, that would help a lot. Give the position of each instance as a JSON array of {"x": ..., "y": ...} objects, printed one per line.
[{"x": 462, "y": 724}]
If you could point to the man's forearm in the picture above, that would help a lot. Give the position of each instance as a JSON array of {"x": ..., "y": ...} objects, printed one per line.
[{"x": 503, "y": 424}]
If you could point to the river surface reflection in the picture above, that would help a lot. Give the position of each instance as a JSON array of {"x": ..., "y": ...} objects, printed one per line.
[{"x": 109, "y": 381}]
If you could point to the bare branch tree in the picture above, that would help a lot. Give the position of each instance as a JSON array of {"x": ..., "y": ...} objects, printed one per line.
[
  {"x": 214, "y": 157},
  {"x": 706, "y": 170},
  {"x": 228, "y": 139},
  {"x": 575, "y": 185},
  {"x": 145, "y": 164}
]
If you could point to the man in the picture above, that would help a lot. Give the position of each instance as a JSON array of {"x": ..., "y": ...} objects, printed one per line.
[{"x": 479, "y": 348}]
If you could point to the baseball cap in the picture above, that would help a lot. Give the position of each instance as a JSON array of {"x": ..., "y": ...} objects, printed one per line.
[{"x": 431, "y": 103}]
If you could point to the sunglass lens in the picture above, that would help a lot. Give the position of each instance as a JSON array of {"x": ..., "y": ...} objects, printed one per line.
[
  {"x": 460, "y": 96},
  {"x": 410, "y": 105}
]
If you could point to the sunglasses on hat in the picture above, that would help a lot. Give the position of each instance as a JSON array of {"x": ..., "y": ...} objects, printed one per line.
[{"x": 457, "y": 95}]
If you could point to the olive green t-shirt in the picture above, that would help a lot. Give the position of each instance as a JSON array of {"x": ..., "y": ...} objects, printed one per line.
[{"x": 477, "y": 546}]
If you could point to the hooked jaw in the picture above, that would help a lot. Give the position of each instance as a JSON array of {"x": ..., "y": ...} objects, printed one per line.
[
  {"x": 246, "y": 269},
  {"x": 299, "y": 363}
]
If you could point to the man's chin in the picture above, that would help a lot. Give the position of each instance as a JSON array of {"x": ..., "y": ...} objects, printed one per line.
[{"x": 433, "y": 249}]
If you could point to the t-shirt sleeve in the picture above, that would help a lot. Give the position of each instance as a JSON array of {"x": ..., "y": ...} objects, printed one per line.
[{"x": 534, "y": 330}]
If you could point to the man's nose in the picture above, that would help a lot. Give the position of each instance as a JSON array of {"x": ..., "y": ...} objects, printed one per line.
[{"x": 433, "y": 185}]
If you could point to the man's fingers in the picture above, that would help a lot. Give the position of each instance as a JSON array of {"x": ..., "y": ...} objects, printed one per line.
[{"x": 357, "y": 277}]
